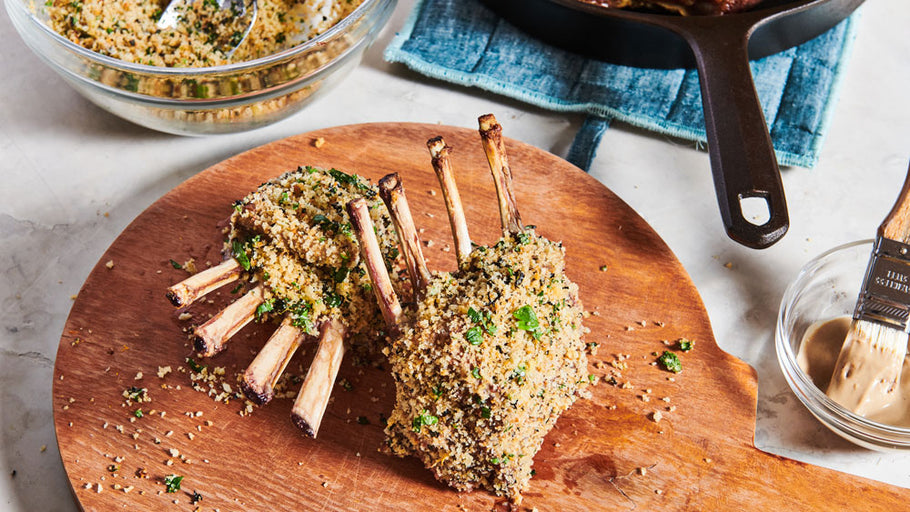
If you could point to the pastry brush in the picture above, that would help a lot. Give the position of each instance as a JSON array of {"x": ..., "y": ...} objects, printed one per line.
[{"x": 869, "y": 365}]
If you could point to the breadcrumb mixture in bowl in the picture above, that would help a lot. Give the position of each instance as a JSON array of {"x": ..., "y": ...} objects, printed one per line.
[
  {"x": 173, "y": 80},
  {"x": 127, "y": 30}
]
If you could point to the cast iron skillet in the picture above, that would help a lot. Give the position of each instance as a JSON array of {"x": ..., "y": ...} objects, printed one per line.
[{"x": 742, "y": 157}]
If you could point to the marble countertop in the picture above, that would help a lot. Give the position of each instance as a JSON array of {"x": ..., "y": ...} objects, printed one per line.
[{"x": 73, "y": 177}]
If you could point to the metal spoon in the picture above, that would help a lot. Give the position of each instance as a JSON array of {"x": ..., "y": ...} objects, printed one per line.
[{"x": 243, "y": 14}]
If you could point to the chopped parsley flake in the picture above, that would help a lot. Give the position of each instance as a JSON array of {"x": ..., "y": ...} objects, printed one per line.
[
  {"x": 527, "y": 320},
  {"x": 483, "y": 319},
  {"x": 266, "y": 307},
  {"x": 332, "y": 299},
  {"x": 425, "y": 419},
  {"x": 340, "y": 275},
  {"x": 135, "y": 393},
  {"x": 172, "y": 483},
  {"x": 685, "y": 344},
  {"x": 300, "y": 317},
  {"x": 474, "y": 335},
  {"x": 520, "y": 372},
  {"x": 240, "y": 254},
  {"x": 670, "y": 361},
  {"x": 194, "y": 366}
]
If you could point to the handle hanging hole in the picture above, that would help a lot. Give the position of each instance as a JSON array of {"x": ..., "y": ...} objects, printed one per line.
[{"x": 755, "y": 210}]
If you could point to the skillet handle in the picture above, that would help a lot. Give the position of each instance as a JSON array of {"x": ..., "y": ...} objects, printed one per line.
[{"x": 742, "y": 155}]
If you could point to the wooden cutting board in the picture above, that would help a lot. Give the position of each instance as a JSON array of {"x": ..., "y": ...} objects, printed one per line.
[{"x": 698, "y": 456}]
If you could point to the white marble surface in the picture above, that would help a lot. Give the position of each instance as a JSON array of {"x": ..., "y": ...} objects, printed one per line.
[{"x": 72, "y": 177}]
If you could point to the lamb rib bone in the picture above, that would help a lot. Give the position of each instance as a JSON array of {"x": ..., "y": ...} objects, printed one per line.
[
  {"x": 372, "y": 257},
  {"x": 392, "y": 193},
  {"x": 210, "y": 337},
  {"x": 313, "y": 398},
  {"x": 262, "y": 374},
  {"x": 443, "y": 167},
  {"x": 198, "y": 285},
  {"x": 495, "y": 149},
  {"x": 311, "y": 402}
]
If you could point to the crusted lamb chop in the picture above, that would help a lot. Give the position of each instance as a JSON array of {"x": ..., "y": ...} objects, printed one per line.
[
  {"x": 292, "y": 241},
  {"x": 684, "y": 7},
  {"x": 490, "y": 355}
]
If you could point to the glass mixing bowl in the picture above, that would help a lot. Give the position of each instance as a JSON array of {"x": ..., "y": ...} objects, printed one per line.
[
  {"x": 218, "y": 99},
  {"x": 827, "y": 287}
]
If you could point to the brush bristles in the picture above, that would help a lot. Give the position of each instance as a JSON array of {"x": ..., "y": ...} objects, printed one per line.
[{"x": 868, "y": 367}]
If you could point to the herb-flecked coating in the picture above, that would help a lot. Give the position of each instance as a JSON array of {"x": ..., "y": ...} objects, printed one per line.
[
  {"x": 486, "y": 363},
  {"x": 294, "y": 236}
]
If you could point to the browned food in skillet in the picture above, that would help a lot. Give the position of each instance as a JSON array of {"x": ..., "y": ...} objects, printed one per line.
[{"x": 684, "y": 7}]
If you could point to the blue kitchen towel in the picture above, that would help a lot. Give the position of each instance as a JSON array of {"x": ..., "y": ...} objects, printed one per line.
[{"x": 462, "y": 41}]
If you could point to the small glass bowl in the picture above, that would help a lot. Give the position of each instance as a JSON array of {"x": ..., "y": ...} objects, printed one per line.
[
  {"x": 218, "y": 99},
  {"x": 826, "y": 288}
]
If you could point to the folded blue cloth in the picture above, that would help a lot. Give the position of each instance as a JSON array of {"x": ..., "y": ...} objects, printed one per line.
[{"x": 462, "y": 41}]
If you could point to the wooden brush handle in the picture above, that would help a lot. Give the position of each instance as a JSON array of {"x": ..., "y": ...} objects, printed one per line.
[{"x": 896, "y": 225}]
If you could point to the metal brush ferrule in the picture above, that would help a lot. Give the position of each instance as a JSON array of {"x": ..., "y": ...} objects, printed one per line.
[{"x": 885, "y": 295}]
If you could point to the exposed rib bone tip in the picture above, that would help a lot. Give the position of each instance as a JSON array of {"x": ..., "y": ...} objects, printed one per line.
[
  {"x": 198, "y": 285},
  {"x": 303, "y": 425},
  {"x": 488, "y": 122},
  {"x": 200, "y": 345},
  {"x": 257, "y": 397},
  {"x": 174, "y": 298},
  {"x": 436, "y": 145}
]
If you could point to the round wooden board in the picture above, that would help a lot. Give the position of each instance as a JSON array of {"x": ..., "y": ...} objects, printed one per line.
[{"x": 699, "y": 456}]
